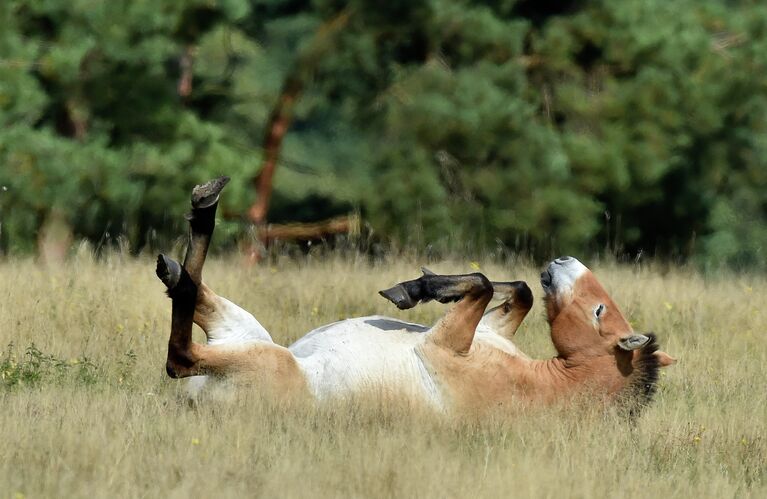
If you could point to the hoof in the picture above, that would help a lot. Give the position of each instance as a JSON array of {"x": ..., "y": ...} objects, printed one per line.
[
  {"x": 206, "y": 195},
  {"x": 518, "y": 292},
  {"x": 168, "y": 270},
  {"x": 523, "y": 295},
  {"x": 399, "y": 296}
]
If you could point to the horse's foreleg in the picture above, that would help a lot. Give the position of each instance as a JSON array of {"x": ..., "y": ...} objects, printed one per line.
[
  {"x": 472, "y": 292},
  {"x": 506, "y": 318}
]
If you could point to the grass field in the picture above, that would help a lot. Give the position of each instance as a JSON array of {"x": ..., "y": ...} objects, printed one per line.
[{"x": 87, "y": 411}]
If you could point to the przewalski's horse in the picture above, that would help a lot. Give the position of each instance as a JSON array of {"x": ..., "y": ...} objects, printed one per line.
[{"x": 465, "y": 361}]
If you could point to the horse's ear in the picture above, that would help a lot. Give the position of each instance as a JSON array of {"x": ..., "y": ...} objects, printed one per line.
[
  {"x": 427, "y": 271},
  {"x": 664, "y": 358},
  {"x": 633, "y": 341}
]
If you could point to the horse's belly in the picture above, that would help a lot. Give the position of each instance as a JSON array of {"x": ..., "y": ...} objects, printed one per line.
[{"x": 369, "y": 356}]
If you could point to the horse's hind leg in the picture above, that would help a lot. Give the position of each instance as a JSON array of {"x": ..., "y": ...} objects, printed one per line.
[
  {"x": 184, "y": 283},
  {"x": 220, "y": 319},
  {"x": 261, "y": 363},
  {"x": 202, "y": 221},
  {"x": 182, "y": 358},
  {"x": 225, "y": 322}
]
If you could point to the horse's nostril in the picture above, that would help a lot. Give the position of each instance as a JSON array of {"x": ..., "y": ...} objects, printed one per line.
[
  {"x": 546, "y": 278},
  {"x": 563, "y": 259}
]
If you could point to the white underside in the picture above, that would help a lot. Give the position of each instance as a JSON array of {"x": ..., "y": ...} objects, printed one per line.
[
  {"x": 364, "y": 354},
  {"x": 235, "y": 325},
  {"x": 360, "y": 355}
]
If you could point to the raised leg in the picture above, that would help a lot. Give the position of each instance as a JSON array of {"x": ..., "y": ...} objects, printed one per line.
[
  {"x": 231, "y": 351},
  {"x": 472, "y": 292},
  {"x": 443, "y": 288},
  {"x": 182, "y": 360},
  {"x": 183, "y": 283},
  {"x": 260, "y": 363},
  {"x": 506, "y": 317},
  {"x": 222, "y": 321},
  {"x": 225, "y": 322},
  {"x": 202, "y": 220}
]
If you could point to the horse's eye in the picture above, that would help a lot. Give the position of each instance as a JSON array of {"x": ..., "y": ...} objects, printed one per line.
[{"x": 599, "y": 310}]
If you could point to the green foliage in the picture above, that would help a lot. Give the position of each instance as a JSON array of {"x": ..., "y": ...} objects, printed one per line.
[
  {"x": 91, "y": 123},
  {"x": 35, "y": 368},
  {"x": 551, "y": 127}
]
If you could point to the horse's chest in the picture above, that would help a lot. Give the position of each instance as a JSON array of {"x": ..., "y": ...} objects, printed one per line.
[{"x": 484, "y": 378}]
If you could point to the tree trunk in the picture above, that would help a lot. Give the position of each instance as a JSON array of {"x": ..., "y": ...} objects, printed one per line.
[
  {"x": 54, "y": 238},
  {"x": 278, "y": 124},
  {"x": 345, "y": 224},
  {"x": 281, "y": 116},
  {"x": 186, "y": 64}
]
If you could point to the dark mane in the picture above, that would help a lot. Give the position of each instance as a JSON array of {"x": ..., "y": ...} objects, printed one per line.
[{"x": 642, "y": 382}]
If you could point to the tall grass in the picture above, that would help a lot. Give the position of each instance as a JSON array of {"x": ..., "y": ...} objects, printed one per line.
[{"x": 86, "y": 409}]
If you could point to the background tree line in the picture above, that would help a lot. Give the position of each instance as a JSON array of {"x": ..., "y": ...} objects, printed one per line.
[{"x": 544, "y": 126}]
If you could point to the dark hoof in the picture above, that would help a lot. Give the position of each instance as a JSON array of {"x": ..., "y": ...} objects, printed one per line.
[
  {"x": 168, "y": 270},
  {"x": 206, "y": 195},
  {"x": 523, "y": 295},
  {"x": 399, "y": 296}
]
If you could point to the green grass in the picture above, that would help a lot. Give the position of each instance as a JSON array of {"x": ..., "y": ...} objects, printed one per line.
[{"x": 87, "y": 410}]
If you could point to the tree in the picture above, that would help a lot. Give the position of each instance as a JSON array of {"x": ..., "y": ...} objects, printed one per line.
[{"x": 547, "y": 127}]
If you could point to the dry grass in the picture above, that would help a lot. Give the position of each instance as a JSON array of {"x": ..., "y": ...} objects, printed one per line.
[{"x": 90, "y": 413}]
